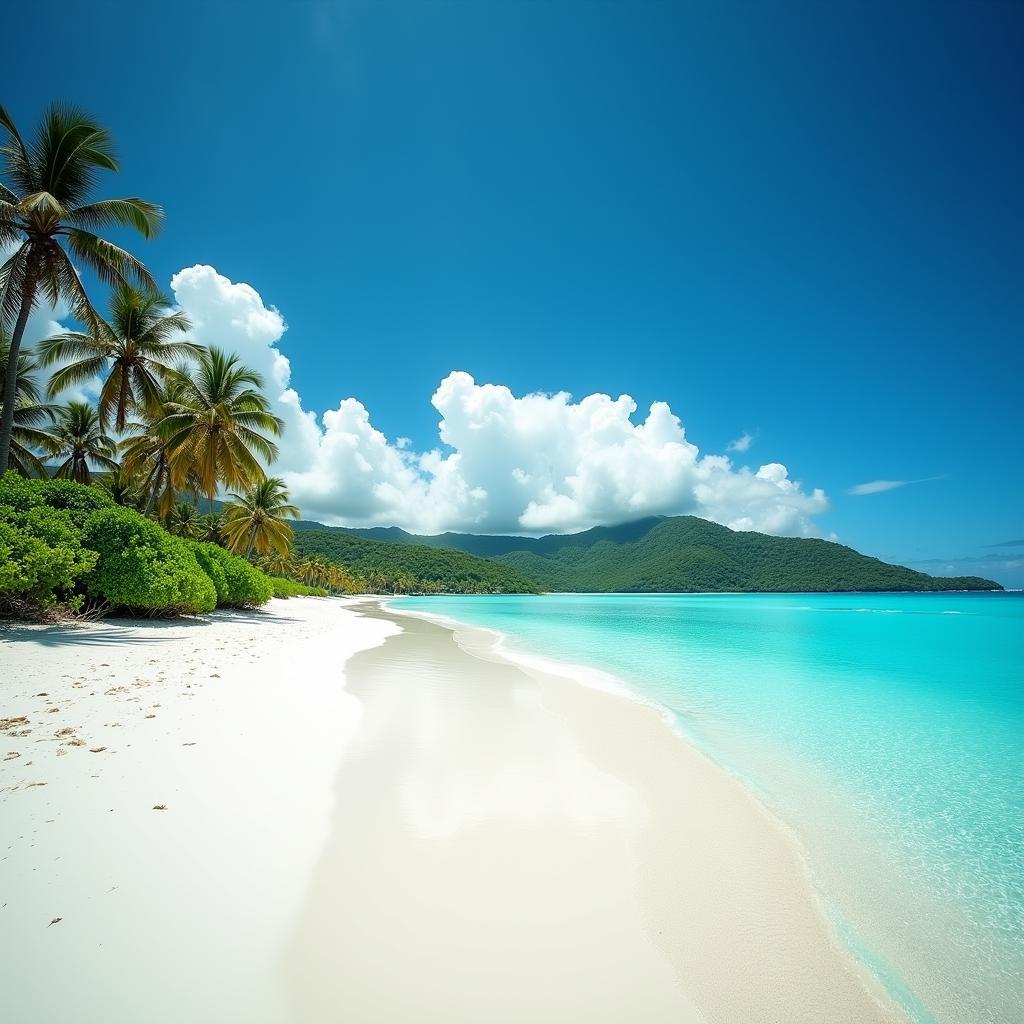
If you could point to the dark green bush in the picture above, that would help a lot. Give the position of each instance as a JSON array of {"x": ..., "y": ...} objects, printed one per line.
[
  {"x": 141, "y": 567},
  {"x": 291, "y": 588},
  {"x": 41, "y": 554},
  {"x": 239, "y": 584}
]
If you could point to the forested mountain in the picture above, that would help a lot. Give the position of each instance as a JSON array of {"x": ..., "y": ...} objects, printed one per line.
[
  {"x": 682, "y": 553},
  {"x": 412, "y": 567}
]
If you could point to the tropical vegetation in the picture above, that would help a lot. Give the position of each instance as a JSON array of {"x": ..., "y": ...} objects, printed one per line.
[
  {"x": 49, "y": 216},
  {"x": 686, "y": 553}
]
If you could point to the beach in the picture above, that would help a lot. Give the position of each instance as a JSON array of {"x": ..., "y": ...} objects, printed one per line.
[{"x": 327, "y": 810}]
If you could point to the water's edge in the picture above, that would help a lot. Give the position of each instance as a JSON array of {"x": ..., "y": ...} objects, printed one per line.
[{"x": 877, "y": 972}]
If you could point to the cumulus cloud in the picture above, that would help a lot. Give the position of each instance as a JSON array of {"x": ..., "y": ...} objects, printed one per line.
[
  {"x": 741, "y": 444},
  {"x": 530, "y": 463}
]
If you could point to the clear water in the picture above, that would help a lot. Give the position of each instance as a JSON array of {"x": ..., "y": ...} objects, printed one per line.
[{"x": 886, "y": 730}]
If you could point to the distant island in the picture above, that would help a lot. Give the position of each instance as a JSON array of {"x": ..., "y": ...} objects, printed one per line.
[{"x": 670, "y": 554}]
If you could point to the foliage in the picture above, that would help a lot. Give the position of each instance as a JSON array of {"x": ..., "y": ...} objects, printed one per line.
[
  {"x": 239, "y": 584},
  {"x": 412, "y": 568},
  {"x": 139, "y": 343},
  {"x": 41, "y": 553},
  {"x": 216, "y": 425},
  {"x": 146, "y": 458},
  {"x": 292, "y": 588},
  {"x": 685, "y": 553},
  {"x": 65, "y": 494},
  {"x": 48, "y": 218},
  {"x": 31, "y": 415},
  {"x": 184, "y": 521},
  {"x": 141, "y": 567},
  {"x": 254, "y": 522},
  {"x": 79, "y": 439}
]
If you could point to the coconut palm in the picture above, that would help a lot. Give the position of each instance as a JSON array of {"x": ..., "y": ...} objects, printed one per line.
[
  {"x": 27, "y": 434},
  {"x": 211, "y": 528},
  {"x": 277, "y": 563},
  {"x": 185, "y": 521},
  {"x": 121, "y": 487},
  {"x": 145, "y": 456},
  {"x": 47, "y": 217},
  {"x": 254, "y": 522},
  {"x": 140, "y": 343},
  {"x": 217, "y": 424},
  {"x": 79, "y": 439}
]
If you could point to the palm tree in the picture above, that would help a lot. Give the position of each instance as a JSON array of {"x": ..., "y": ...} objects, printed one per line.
[
  {"x": 185, "y": 521},
  {"x": 140, "y": 343},
  {"x": 211, "y": 528},
  {"x": 78, "y": 438},
  {"x": 46, "y": 214},
  {"x": 216, "y": 425},
  {"x": 27, "y": 434},
  {"x": 121, "y": 487},
  {"x": 255, "y": 521},
  {"x": 145, "y": 456},
  {"x": 277, "y": 563}
]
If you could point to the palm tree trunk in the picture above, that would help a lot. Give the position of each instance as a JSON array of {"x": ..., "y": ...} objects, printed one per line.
[
  {"x": 28, "y": 292},
  {"x": 122, "y": 400}
]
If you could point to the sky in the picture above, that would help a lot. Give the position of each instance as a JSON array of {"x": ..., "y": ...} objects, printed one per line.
[{"x": 455, "y": 235}]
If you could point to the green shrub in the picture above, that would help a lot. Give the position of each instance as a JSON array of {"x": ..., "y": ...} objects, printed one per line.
[
  {"x": 291, "y": 588},
  {"x": 77, "y": 499},
  {"x": 141, "y": 567},
  {"x": 239, "y": 584},
  {"x": 41, "y": 554}
]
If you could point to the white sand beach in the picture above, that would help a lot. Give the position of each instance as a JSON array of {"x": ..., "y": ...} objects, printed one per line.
[{"x": 326, "y": 811}]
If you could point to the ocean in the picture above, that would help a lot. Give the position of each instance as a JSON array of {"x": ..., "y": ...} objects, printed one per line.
[{"x": 885, "y": 730}]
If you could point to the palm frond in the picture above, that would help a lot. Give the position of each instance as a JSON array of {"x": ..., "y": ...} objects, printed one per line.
[
  {"x": 74, "y": 373},
  {"x": 112, "y": 264},
  {"x": 145, "y": 217}
]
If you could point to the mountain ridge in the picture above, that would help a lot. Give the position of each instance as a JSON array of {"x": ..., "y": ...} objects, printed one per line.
[{"x": 673, "y": 553}]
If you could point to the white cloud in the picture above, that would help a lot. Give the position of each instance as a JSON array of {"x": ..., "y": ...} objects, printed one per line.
[
  {"x": 530, "y": 463},
  {"x": 878, "y": 486},
  {"x": 741, "y": 444}
]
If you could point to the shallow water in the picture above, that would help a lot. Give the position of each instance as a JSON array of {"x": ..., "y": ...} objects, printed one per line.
[{"x": 887, "y": 730}]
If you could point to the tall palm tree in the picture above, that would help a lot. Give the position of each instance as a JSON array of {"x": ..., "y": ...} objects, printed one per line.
[
  {"x": 27, "y": 434},
  {"x": 217, "y": 424},
  {"x": 255, "y": 521},
  {"x": 47, "y": 215},
  {"x": 140, "y": 343},
  {"x": 79, "y": 439}
]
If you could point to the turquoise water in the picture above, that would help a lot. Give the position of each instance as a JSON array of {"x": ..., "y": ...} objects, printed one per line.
[{"x": 886, "y": 730}]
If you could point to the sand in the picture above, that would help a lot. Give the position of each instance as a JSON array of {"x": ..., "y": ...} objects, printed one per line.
[{"x": 380, "y": 820}]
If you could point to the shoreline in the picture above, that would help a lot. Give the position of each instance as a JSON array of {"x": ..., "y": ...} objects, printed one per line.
[
  {"x": 335, "y": 810},
  {"x": 877, "y": 975},
  {"x": 721, "y": 888}
]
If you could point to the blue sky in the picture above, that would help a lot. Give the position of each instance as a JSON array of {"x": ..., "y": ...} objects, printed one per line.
[{"x": 800, "y": 221}]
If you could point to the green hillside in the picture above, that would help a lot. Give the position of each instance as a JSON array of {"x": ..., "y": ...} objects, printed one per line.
[
  {"x": 419, "y": 567},
  {"x": 691, "y": 554},
  {"x": 687, "y": 554}
]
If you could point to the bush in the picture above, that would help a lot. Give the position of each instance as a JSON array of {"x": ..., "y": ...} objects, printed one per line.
[
  {"x": 238, "y": 583},
  {"x": 141, "y": 567},
  {"x": 291, "y": 588},
  {"x": 41, "y": 554},
  {"x": 77, "y": 499}
]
